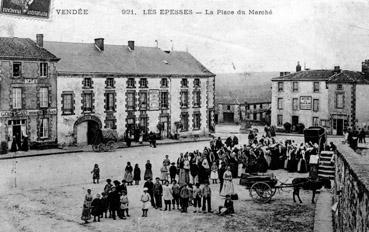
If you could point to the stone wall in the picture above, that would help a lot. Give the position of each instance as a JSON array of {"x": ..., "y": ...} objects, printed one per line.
[{"x": 352, "y": 194}]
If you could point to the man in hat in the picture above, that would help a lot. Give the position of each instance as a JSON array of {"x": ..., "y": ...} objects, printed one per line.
[{"x": 158, "y": 192}]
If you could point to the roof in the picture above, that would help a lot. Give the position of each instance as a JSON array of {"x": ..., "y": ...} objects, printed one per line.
[
  {"x": 23, "y": 49},
  {"x": 308, "y": 75},
  {"x": 349, "y": 77},
  {"x": 241, "y": 101},
  {"x": 85, "y": 58}
]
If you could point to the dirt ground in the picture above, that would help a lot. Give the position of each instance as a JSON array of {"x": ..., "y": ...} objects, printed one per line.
[{"x": 59, "y": 209}]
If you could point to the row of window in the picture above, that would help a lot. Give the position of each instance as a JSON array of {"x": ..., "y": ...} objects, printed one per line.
[
  {"x": 143, "y": 83},
  {"x": 315, "y": 121},
  {"x": 17, "y": 98},
  {"x": 196, "y": 121},
  {"x": 87, "y": 98},
  {"x": 17, "y": 69},
  {"x": 295, "y": 86},
  {"x": 295, "y": 105}
]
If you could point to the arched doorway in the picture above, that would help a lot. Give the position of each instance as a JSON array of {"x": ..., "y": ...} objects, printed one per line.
[{"x": 85, "y": 129}]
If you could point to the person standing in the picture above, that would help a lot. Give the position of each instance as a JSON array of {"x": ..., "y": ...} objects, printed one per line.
[
  {"x": 172, "y": 172},
  {"x": 158, "y": 192},
  {"x": 214, "y": 173},
  {"x": 221, "y": 172},
  {"x": 148, "y": 171},
  {"x": 150, "y": 190},
  {"x": 362, "y": 135},
  {"x": 186, "y": 167},
  {"x": 228, "y": 188},
  {"x": 166, "y": 161},
  {"x": 96, "y": 208},
  {"x": 145, "y": 199},
  {"x": 108, "y": 186},
  {"x": 137, "y": 174},
  {"x": 206, "y": 198},
  {"x": 95, "y": 174},
  {"x": 128, "y": 177},
  {"x": 176, "y": 194},
  {"x": 86, "y": 212},
  {"x": 164, "y": 173},
  {"x": 197, "y": 198},
  {"x": 185, "y": 195},
  {"x": 167, "y": 195},
  {"x": 124, "y": 204}
]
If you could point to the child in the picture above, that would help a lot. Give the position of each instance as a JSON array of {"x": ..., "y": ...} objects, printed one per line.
[
  {"x": 86, "y": 212},
  {"x": 158, "y": 192},
  {"x": 175, "y": 192},
  {"x": 124, "y": 204},
  {"x": 167, "y": 195},
  {"x": 190, "y": 199},
  {"x": 95, "y": 174},
  {"x": 214, "y": 173},
  {"x": 146, "y": 201},
  {"x": 96, "y": 208},
  {"x": 164, "y": 173},
  {"x": 128, "y": 177},
  {"x": 206, "y": 197},
  {"x": 137, "y": 174},
  {"x": 227, "y": 208},
  {"x": 172, "y": 172},
  {"x": 108, "y": 186},
  {"x": 185, "y": 195},
  {"x": 104, "y": 205},
  {"x": 197, "y": 197}
]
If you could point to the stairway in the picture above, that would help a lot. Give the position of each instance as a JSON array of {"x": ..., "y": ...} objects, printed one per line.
[{"x": 326, "y": 167}]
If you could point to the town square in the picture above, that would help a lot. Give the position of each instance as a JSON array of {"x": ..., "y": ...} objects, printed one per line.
[{"x": 198, "y": 116}]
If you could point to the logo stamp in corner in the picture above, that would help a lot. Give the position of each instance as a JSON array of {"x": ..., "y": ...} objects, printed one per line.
[{"x": 33, "y": 8}]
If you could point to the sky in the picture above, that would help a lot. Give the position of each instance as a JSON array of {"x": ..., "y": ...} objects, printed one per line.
[{"x": 320, "y": 34}]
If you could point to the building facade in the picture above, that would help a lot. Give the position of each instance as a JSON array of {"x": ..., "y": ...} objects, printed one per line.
[
  {"x": 230, "y": 112},
  {"x": 334, "y": 99},
  {"x": 258, "y": 111},
  {"x": 128, "y": 87},
  {"x": 301, "y": 97},
  {"x": 348, "y": 104},
  {"x": 28, "y": 106}
]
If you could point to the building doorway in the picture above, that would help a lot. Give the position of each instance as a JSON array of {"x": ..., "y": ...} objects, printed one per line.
[
  {"x": 228, "y": 117},
  {"x": 165, "y": 129},
  {"x": 86, "y": 128},
  {"x": 340, "y": 126},
  {"x": 295, "y": 120}
]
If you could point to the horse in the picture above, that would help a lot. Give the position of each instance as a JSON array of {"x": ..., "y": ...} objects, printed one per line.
[{"x": 309, "y": 184}]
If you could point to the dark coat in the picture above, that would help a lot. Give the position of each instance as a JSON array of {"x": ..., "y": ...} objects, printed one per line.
[
  {"x": 137, "y": 174},
  {"x": 172, "y": 171},
  {"x": 96, "y": 207},
  {"x": 149, "y": 186}
]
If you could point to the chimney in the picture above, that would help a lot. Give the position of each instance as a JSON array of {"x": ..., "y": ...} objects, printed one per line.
[
  {"x": 131, "y": 45},
  {"x": 281, "y": 74},
  {"x": 40, "y": 40},
  {"x": 337, "y": 69},
  {"x": 99, "y": 44},
  {"x": 298, "y": 66},
  {"x": 365, "y": 67}
]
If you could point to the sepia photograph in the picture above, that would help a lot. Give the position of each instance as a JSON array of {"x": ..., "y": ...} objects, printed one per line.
[{"x": 184, "y": 116}]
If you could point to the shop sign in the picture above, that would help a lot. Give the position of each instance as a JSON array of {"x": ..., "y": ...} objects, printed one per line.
[
  {"x": 305, "y": 103},
  {"x": 154, "y": 99}
]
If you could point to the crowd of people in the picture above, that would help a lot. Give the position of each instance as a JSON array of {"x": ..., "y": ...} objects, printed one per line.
[{"x": 186, "y": 181}]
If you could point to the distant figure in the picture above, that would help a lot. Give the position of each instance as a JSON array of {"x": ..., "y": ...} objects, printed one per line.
[
  {"x": 95, "y": 174},
  {"x": 128, "y": 177},
  {"x": 137, "y": 175}
]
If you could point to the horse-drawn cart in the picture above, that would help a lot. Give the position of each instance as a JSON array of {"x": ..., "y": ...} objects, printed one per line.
[
  {"x": 105, "y": 140},
  {"x": 262, "y": 187}
]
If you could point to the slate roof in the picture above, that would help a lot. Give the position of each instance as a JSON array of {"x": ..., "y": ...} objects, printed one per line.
[
  {"x": 309, "y": 75},
  {"x": 23, "y": 49},
  {"x": 349, "y": 77},
  {"x": 85, "y": 58}
]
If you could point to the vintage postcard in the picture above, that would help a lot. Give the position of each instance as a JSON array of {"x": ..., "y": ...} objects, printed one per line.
[{"x": 184, "y": 115}]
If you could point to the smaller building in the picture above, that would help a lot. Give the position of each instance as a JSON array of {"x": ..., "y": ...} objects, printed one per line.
[
  {"x": 258, "y": 111},
  {"x": 230, "y": 111}
]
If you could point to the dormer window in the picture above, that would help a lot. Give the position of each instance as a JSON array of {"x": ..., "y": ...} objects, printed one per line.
[
  {"x": 87, "y": 83},
  {"x": 131, "y": 83},
  {"x": 143, "y": 83}
]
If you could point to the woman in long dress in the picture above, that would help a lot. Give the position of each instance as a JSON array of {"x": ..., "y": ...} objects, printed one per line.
[
  {"x": 128, "y": 177},
  {"x": 86, "y": 212},
  {"x": 228, "y": 188},
  {"x": 148, "y": 171}
]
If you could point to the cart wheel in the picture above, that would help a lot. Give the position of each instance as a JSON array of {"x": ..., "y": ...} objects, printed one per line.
[
  {"x": 95, "y": 148},
  {"x": 261, "y": 192},
  {"x": 110, "y": 146},
  {"x": 101, "y": 147}
]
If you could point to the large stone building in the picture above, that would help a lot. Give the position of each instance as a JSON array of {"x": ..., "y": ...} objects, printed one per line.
[
  {"x": 123, "y": 87},
  {"x": 334, "y": 99},
  {"x": 28, "y": 104}
]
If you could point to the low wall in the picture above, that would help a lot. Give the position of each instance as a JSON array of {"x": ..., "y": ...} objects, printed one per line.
[{"x": 351, "y": 191}]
